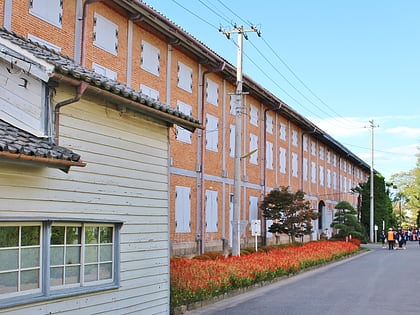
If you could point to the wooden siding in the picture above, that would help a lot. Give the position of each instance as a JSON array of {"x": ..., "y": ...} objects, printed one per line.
[{"x": 126, "y": 179}]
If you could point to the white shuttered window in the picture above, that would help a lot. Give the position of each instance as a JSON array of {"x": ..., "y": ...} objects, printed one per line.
[
  {"x": 212, "y": 133},
  {"x": 105, "y": 34},
  {"x": 182, "y": 134},
  {"x": 253, "y": 145},
  {"x": 283, "y": 160},
  {"x": 182, "y": 209},
  {"x": 184, "y": 77},
  {"x": 150, "y": 58},
  {"x": 269, "y": 155},
  {"x": 50, "y": 11},
  {"x": 211, "y": 211}
]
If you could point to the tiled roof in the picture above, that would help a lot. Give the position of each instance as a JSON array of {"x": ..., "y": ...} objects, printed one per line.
[
  {"x": 66, "y": 66},
  {"x": 23, "y": 146}
]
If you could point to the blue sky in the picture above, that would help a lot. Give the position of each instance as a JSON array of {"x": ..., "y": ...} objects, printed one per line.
[{"x": 337, "y": 63}]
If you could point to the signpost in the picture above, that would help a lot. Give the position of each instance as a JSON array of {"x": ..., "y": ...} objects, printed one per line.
[{"x": 256, "y": 231}]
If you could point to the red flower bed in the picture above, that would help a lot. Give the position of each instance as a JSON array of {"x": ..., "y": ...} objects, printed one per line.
[{"x": 195, "y": 279}]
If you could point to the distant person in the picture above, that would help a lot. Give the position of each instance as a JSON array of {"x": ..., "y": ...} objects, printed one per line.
[
  {"x": 391, "y": 239},
  {"x": 382, "y": 236}
]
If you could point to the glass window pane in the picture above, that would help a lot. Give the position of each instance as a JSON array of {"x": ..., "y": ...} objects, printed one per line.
[
  {"x": 72, "y": 274},
  {"x": 8, "y": 282},
  {"x": 29, "y": 257},
  {"x": 106, "y": 234},
  {"x": 91, "y": 273},
  {"x": 29, "y": 280},
  {"x": 73, "y": 255},
  {"x": 9, "y": 236},
  {"x": 91, "y": 235},
  {"x": 106, "y": 253},
  {"x": 73, "y": 235},
  {"x": 57, "y": 255},
  {"x": 8, "y": 259},
  {"x": 30, "y": 235},
  {"x": 56, "y": 276},
  {"x": 105, "y": 271},
  {"x": 57, "y": 235},
  {"x": 91, "y": 254}
]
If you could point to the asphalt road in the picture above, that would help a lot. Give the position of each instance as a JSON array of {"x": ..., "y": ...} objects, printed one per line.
[{"x": 379, "y": 282}]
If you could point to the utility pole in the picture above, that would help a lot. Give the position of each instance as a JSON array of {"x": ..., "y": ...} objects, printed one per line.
[
  {"x": 372, "y": 175},
  {"x": 236, "y": 222}
]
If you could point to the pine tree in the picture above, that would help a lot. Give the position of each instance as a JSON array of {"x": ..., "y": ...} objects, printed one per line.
[
  {"x": 291, "y": 213},
  {"x": 346, "y": 223}
]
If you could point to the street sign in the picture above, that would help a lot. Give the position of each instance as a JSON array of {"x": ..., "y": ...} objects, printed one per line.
[{"x": 256, "y": 227}]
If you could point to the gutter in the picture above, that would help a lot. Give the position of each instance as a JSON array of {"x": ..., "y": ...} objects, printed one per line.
[{"x": 141, "y": 107}]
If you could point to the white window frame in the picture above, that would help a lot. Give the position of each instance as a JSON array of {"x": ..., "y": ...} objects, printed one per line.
[
  {"x": 50, "y": 11},
  {"x": 211, "y": 211},
  {"x": 104, "y": 71},
  {"x": 152, "y": 93},
  {"x": 269, "y": 155},
  {"x": 283, "y": 160},
  {"x": 321, "y": 175},
  {"x": 232, "y": 147},
  {"x": 233, "y": 102},
  {"x": 182, "y": 209},
  {"x": 253, "y": 115},
  {"x": 328, "y": 178},
  {"x": 269, "y": 124},
  {"x": 212, "y": 92},
  {"x": 253, "y": 145},
  {"x": 253, "y": 209},
  {"x": 328, "y": 156},
  {"x": 313, "y": 148},
  {"x": 150, "y": 58},
  {"x": 295, "y": 164},
  {"x": 183, "y": 134},
  {"x": 335, "y": 180},
  {"x": 294, "y": 138},
  {"x": 305, "y": 143},
  {"x": 283, "y": 131},
  {"x": 321, "y": 153},
  {"x": 45, "y": 289},
  {"x": 212, "y": 133},
  {"x": 105, "y": 34},
  {"x": 185, "y": 77},
  {"x": 305, "y": 169},
  {"x": 313, "y": 172}
]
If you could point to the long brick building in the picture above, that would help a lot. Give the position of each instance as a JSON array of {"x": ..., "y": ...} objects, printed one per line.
[{"x": 131, "y": 43}]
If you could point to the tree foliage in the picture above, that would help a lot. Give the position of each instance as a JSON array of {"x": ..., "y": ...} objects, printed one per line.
[
  {"x": 346, "y": 223},
  {"x": 382, "y": 204},
  {"x": 408, "y": 191},
  {"x": 291, "y": 213}
]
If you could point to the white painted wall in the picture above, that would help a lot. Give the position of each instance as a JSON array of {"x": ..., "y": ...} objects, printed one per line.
[{"x": 126, "y": 178}]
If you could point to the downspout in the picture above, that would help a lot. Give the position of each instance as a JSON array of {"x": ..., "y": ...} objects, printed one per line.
[
  {"x": 301, "y": 154},
  {"x": 79, "y": 92},
  {"x": 220, "y": 68},
  {"x": 83, "y": 44},
  {"x": 264, "y": 238}
]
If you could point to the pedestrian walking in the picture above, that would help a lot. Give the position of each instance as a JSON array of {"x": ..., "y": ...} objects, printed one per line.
[
  {"x": 383, "y": 239},
  {"x": 391, "y": 239}
]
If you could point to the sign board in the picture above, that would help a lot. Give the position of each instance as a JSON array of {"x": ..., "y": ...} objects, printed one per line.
[{"x": 256, "y": 227}]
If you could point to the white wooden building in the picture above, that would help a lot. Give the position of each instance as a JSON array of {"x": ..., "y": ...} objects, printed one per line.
[{"x": 93, "y": 239}]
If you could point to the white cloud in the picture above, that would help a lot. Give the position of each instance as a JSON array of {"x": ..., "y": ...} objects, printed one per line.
[{"x": 405, "y": 131}]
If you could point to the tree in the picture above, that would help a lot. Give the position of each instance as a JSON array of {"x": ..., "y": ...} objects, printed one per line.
[
  {"x": 382, "y": 204},
  {"x": 407, "y": 197},
  {"x": 292, "y": 215},
  {"x": 345, "y": 221}
]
